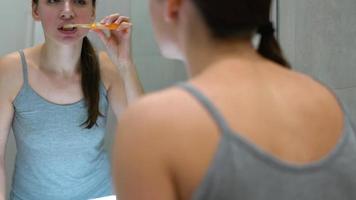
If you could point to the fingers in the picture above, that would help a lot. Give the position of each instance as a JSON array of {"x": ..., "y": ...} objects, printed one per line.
[
  {"x": 124, "y": 23},
  {"x": 116, "y": 18},
  {"x": 120, "y": 33},
  {"x": 110, "y": 19},
  {"x": 124, "y": 26},
  {"x": 122, "y": 19}
]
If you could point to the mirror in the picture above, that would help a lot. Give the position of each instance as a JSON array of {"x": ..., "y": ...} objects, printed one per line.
[{"x": 155, "y": 72}]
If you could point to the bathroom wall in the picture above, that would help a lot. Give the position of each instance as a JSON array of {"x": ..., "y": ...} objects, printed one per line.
[{"x": 318, "y": 37}]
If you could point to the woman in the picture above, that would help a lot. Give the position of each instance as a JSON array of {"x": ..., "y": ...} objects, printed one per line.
[
  {"x": 244, "y": 126},
  {"x": 56, "y": 98}
]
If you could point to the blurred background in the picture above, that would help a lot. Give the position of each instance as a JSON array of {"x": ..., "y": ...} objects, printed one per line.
[{"x": 318, "y": 37}]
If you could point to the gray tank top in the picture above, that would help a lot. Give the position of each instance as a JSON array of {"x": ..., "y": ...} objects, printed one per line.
[
  {"x": 241, "y": 170},
  {"x": 58, "y": 159}
]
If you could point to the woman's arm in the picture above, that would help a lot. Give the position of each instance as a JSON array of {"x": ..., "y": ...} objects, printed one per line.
[
  {"x": 124, "y": 81},
  {"x": 10, "y": 78},
  {"x": 122, "y": 89},
  {"x": 132, "y": 84},
  {"x": 141, "y": 155},
  {"x": 6, "y": 113}
]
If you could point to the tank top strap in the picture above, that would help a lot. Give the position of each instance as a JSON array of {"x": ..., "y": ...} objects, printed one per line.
[
  {"x": 24, "y": 67},
  {"x": 102, "y": 90},
  {"x": 348, "y": 122},
  {"x": 208, "y": 105}
]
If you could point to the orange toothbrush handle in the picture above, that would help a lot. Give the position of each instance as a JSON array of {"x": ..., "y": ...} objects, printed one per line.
[
  {"x": 112, "y": 26},
  {"x": 103, "y": 26}
]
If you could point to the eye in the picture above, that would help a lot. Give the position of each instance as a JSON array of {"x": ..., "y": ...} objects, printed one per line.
[
  {"x": 53, "y": 1},
  {"x": 80, "y": 2}
]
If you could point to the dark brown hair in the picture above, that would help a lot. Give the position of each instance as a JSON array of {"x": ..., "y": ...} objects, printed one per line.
[
  {"x": 90, "y": 80},
  {"x": 229, "y": 19}
]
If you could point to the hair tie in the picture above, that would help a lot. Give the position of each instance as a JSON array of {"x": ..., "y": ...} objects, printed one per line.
[{"x": 266, "y": 29}]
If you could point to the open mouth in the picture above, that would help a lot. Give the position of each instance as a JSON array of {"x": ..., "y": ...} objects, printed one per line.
[{"x": 67, "y": 29}]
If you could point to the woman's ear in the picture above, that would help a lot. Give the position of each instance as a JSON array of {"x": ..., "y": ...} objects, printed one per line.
[
  {"x": 35, "y": 13},
  {"x": 172, "y": 9}
]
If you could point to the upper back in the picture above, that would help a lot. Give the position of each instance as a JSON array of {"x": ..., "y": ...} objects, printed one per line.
[
  {"x": 279, "y": 127},
  {"x": 271, "y": 102},
  {"x": 243, "y": 167},
  {"x": 283, "y": 115}
]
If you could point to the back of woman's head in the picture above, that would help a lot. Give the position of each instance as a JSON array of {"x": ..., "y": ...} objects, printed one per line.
[{"x": 229, "y": 19}]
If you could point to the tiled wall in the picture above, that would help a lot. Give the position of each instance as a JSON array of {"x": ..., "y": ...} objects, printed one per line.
[
  {"x": 14, "y": 25},
  {"x": 319, "y": 39}
]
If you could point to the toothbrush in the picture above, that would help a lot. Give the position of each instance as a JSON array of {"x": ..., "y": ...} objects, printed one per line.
[{"x": 93, "y": 26}]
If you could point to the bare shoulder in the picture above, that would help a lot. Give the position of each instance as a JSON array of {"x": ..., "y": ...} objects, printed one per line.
[
  {"x": 11, "y": 77},
  {"x": 10, "y": 63},
  {"x": 157, "y": 110},
  {"x": 316, "y": 90},
  {"x": 163, "y": 133},
  {"x": 144, "y": 147},
  {"x": 314, "y": 98},
  {"x": 299, "y": 87},
  {"x": 171, "y": 115}
]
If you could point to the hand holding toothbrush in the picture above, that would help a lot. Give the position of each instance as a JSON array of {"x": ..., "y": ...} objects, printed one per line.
[
  {"x": 118, "y": 45},
  {"x": 118, "y": 41}
]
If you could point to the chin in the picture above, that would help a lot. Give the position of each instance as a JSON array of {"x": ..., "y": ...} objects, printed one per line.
[
  {"x": 69, "y": 37},
  {"x": 68, "y": 40}
]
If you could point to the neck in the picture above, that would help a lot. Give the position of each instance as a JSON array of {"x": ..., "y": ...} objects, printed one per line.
[
  {"x": 201, "y": 50},
  {"x": 61, "y": 59},
  {"x": 201, "y": 55}
]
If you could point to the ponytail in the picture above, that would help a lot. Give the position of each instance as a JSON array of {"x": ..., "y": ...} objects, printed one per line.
[
  {"x": 269, "y": 47},
  {"x": 90, "y": 72},
  {"x": 228, "y": 19}
]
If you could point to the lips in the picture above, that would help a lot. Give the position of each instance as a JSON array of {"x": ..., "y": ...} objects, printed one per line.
[{"x": 67, "y": 30}]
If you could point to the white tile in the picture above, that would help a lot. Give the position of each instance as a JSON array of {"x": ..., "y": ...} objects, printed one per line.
[{"x": 319, "y": 37}]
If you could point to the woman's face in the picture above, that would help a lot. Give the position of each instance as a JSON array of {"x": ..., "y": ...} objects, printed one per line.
[{"x": 54, "y": 14}]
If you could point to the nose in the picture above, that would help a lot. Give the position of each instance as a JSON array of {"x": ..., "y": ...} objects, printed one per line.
[{"x": 67, "y": 11}]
